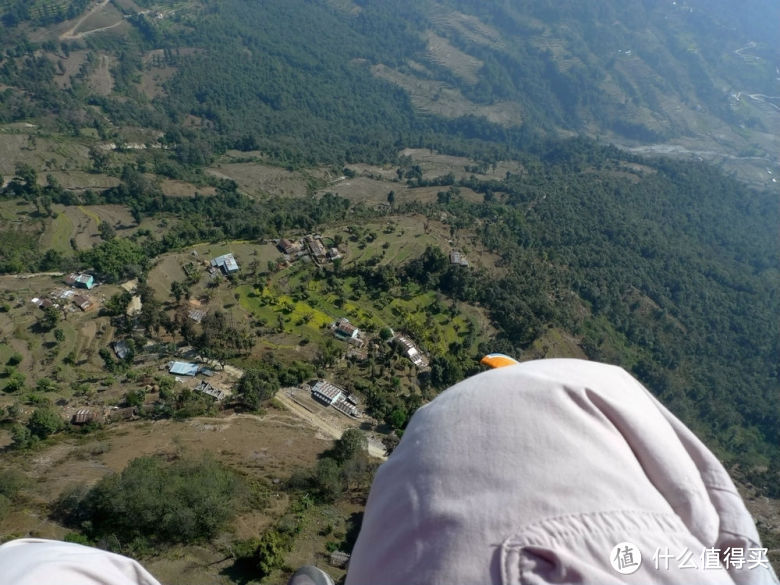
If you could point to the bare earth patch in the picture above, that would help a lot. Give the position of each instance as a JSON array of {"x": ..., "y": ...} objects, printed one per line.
[
  {"x": 100, "y": 80},
  {"x": 173, "y": 188}
]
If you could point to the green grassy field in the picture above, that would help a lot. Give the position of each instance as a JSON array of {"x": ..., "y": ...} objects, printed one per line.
[{"x": 57, "y": 234}]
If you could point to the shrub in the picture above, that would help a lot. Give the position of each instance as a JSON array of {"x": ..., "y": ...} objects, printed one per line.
[{"x": 45, "y": 421}]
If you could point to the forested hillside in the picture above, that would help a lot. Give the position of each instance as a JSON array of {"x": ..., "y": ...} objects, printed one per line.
[{"x": 348, "y": 81}]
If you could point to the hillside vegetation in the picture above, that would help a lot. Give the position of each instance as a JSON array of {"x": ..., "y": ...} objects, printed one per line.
[
  {"x": 443, "y": 156},
  {"x": 323, "y": 81}
]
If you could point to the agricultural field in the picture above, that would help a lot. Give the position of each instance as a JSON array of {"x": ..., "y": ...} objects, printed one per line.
[
  {"x": 77, "y": 227},
  {"x": 256, "y": 178},
  {"x": 169, "y": 268},
  {"x": 173, "y": 188},
  {"x": 435, "y": 164},
  {"x": 401, "y": 238}
]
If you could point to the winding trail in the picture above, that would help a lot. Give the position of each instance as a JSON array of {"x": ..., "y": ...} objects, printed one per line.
[{"x": 71, "y": 34}]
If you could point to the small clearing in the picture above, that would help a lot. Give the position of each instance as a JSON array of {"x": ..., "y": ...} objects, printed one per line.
[{"x": 100, "y": 80}]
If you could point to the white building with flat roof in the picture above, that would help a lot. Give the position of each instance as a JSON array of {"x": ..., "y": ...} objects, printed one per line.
[{"x": 326, "y": 392}]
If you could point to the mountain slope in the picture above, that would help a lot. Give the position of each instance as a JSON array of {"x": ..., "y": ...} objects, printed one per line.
[{"x": 341, "y": 80}]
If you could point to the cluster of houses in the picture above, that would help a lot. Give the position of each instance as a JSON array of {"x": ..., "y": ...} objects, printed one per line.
[
  {"x": 226, "y": 264},
  {"x": 310, "y": 245},
  {"x": 70, "y": 297},
  {"x": 190, "y": 370}
]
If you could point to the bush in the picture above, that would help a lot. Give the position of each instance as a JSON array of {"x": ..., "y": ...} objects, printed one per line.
[
  {"x": 15, "y": 359},
  {"x": 44, "y": 422},
  {"x": 15, "y": 382}
]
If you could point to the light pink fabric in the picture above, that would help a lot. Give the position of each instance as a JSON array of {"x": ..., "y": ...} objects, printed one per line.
[
  {"x": 33, "y": 561},
  {"x": 533, "y": 473}
]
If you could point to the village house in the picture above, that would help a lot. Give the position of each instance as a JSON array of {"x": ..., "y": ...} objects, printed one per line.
[
  {"x": 119, "y": 414},
  {"x": 85, "y": 416},
  {"x": 226, "y": 263},
  {"x": 331, "y": 395},
  {"x": 197, "y": 315},
  {"x": 346, "y": 331},
  {"x": 339, "y": 558},
  {"x": 343, "y": 328},
  {"x": 343, "y": 405},
  {"x": 121, "y": 349},
  {"x": 183, "y": 368},
  {"x": 83, "y": 303},
  {"x": 458, "y": 258},
  {"x": 411, "y": 351},
  {"x": 210, "y": 390},
  {"x": 80, "y": 280},
  {"x": 316, "y": 247},
  {"x": 326, "y": 392},
  {"x": 289, "y": 247}
]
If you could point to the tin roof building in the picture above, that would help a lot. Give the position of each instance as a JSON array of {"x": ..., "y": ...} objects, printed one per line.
[
  {"x": 226, "y": 263},
  {"x": 183, "y": 368},
  {"x": 326, "y": 392}
]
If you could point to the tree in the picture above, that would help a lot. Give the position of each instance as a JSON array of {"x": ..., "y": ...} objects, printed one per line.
[
  {"x": 151, "y": 501},
  {"x": 44, "y": 422},
  {"x": 135, "y": 397},
  {"x": 100, "y": 159},
  {"x": 270, "y": 552},
  {"x": 328, "y": 478},
  {"x": 50, "y": 318},
  {"x": 351, "y": 444},
  {"x": 27, "y": 175},
  {"x": 46, "y": 385},
  {"x": 257, "y": 386},
  {"x": 107, "y": 231},
  {"x": 21, "y": 437},
  {"x": 117, "y": 304},
  {"x": 390, "y": 442}
]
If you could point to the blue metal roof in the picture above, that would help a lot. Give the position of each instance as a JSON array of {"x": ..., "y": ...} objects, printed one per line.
[{"x": 183, "y": 368}]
